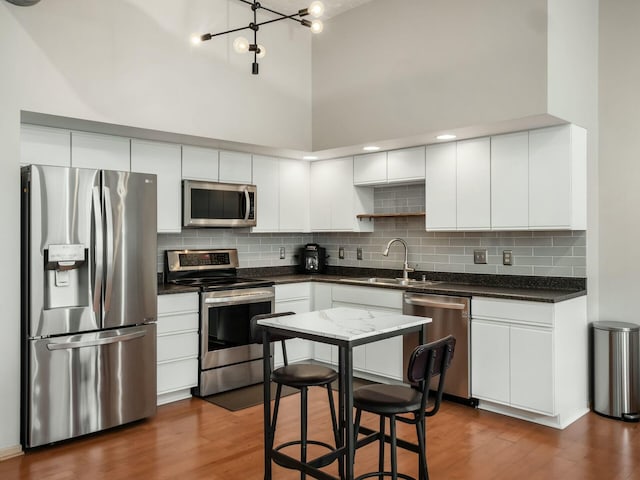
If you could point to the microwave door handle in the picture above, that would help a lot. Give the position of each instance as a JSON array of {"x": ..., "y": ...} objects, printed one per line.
[
  {"x": 247, "y": 199},
  {"x": 108, "y": 212},
  {"x": 98, "y": 243}
]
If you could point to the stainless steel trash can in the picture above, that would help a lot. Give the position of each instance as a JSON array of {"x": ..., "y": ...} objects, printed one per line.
[{"x": 616, "y": 370}]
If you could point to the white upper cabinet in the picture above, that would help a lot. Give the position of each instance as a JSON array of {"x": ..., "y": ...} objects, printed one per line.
[
  {"x": 558, "y": 178},
  {"x": 510, "y": 181},
  {"x": 44, "y": 146},
  {"x": 294, "y": 196},
  {"x": 370, "y": 169},
  {"x": 94, "y": 150},
  {"x": 199, "y": 163},
  {"x": 283, "y": 194},
  {"x": 406, "y": 165},
  {"x": 266, "y": 177},
  {"x": 163, "y": 159},
  {"x": 235, "y": 167},
  {"x": 440, "y": 187},
  {"x": 396, "y": 166},
  {"x": 473, "y": 187},
  {"x": 335, "y": 201}
]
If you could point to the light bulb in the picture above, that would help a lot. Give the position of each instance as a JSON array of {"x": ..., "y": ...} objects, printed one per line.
[
  {"x": 316, "y": 9},
  {"x": 263, "y": 51},
  {"x": 195, "y": 39},
  {"x": 241, "y": 45},
  {"x": 317, "y": 26}
]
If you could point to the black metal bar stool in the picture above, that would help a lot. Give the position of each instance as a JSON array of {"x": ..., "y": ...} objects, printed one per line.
[
  {"x": 300, "y": 376},
  {"x": 392, "y": 401}
]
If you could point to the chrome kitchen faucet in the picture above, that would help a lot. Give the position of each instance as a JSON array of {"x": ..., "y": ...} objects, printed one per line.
[{"x": 405, "y": 268}]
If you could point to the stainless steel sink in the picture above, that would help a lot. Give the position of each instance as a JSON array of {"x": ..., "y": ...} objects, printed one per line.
[{"x": 393, "y": 281}]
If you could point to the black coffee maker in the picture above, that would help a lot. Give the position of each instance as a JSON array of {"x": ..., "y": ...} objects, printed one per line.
[{"x": 312, "y": 258}]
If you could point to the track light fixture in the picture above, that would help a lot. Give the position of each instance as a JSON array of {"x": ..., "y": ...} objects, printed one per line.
[{"x": 242, "y": 45}]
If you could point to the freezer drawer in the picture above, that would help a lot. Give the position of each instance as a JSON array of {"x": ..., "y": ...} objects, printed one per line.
[{"x": 80, "y": 384}]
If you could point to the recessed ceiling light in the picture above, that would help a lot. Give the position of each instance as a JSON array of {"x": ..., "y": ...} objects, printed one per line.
[
  {"x": 446, "y": 136},
  {"x": 310, "y": 157},
  {"x": 370, "y": 148}
]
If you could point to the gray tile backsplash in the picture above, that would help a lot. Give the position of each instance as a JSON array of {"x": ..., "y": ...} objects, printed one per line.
[{"x": 540, "y": 253}]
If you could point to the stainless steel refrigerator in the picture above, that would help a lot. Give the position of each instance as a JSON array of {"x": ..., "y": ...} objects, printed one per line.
[{"x": 88, "y": 301}]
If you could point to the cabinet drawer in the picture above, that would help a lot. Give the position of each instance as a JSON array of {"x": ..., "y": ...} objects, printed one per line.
[
  {"x": 181, "y": 322},
  {"x": 179, "y": 302},
  {"x": 182, "y": 345},
  {"x": 293, "y": 291},
  {"x": 512, "y": 310},
  {"x": 369, "y": 296},
  {"x": 177, "y": 375}
]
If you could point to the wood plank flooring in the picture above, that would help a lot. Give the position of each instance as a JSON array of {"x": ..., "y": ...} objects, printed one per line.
[{"x": 193, "y": 439}]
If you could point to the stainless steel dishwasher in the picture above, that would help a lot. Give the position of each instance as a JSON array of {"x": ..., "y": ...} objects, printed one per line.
[{"x": 450, "y": 316}]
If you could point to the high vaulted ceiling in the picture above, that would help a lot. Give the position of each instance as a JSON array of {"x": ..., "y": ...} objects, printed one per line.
[{"x": 332, "y": 7}]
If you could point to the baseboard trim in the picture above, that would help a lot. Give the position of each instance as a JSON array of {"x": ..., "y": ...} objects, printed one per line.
[{"x": 10, "y": 452}]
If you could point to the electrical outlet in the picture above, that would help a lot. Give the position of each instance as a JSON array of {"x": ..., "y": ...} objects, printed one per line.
[
  {"x": 282, "y": 253},
  {"x": 359, "y": 253},
  {"x": 341, "y": 253},
  {"x": 507, "y": 257},
  {"x": 480, "y": 256}
]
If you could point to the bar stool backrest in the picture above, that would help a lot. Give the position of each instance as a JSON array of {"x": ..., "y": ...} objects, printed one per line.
[
  {"x": 256, "y": 332},
  {"x": 429, "y": 361}
]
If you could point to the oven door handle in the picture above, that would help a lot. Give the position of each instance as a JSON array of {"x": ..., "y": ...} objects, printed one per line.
[{"x": 239, "y": 298}]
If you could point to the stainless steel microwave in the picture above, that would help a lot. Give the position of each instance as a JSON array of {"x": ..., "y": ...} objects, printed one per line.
[{"x": 210, "y": 204}]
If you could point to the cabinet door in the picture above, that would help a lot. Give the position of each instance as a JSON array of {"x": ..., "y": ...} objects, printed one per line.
[
  {"x": 297, "y": 348},
  {"x": 342, "y": 195},
  {"x": 406, "y": 165},
  {"x": 163, "y": 159},
  {"x": 92, "y": 150},
  {"x": 320, "y": 195},
  {"x": 550, "y": 177},
  {"x": 235, "y": 167},
  {"x": 473, "y": 187},
  {"x": 532, "y": 369},
  {"x": 370, "y": 169},
  {"x": 510, "y": 181},
  {"x": 440, "y": 187},
  {"x": 45, "y": 146},
  {"x": 294, "y": 196},
  {"x": 199, "y": 163},
  {"x": 490, "y": 361},
  {"x": 266, "y": 178},
  {"x": 385, "y": 358}
]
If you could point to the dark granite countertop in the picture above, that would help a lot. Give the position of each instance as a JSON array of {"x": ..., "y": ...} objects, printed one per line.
[{"x": 535, "y": 289}]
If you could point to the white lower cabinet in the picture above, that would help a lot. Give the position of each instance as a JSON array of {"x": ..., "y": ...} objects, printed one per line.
[
  {"x": 529, "y": 359},
  {"x": 378, "y": 359},
  {"x": 177, "y": 348},
  {"x": 296, "y": 298}
]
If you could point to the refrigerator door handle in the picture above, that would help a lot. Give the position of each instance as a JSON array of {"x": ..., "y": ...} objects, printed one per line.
[
  {"x": 95, "y": 342},
  {"x": 109, "y": 235},
  {"x": 247, "y": 200},
  {"x": 97, "y": 218}
]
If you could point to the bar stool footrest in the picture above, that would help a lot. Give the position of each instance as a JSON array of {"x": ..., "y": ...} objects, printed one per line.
[
  {"x": 384, "y": 474},
  {"x": 318, "y": 462}
]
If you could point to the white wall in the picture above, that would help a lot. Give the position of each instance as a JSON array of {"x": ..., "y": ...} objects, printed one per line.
[
  {"x": 397, "y": 69},
  {"x": 131, "y": 62},
  {"x": 619, "y": 172}
]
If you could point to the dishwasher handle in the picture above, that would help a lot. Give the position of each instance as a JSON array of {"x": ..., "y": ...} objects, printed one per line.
[{"x": 426, "y": 302}]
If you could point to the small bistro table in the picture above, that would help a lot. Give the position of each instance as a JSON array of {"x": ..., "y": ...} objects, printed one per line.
[{"x": 346, "y": 328}]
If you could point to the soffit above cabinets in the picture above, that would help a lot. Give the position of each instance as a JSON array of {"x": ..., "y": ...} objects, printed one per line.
[{"x": 331, "y": 7}]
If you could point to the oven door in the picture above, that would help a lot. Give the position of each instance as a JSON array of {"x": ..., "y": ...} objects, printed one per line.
[
  {"x": 225, "y": 337},
  {"x": 208, "y": 204}
]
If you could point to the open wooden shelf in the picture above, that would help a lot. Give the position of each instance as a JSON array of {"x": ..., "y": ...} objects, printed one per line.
[{"x": 389, "y": 215}]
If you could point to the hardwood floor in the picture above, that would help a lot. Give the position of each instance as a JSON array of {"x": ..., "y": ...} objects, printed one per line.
[{"x": 193, "y": 439}]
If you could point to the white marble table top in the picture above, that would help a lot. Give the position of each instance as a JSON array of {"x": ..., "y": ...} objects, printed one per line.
[{"x": 343, "y": 323}]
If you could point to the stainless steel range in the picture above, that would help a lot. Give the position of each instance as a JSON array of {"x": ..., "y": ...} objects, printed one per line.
[{"x": 228, "y": 359}]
